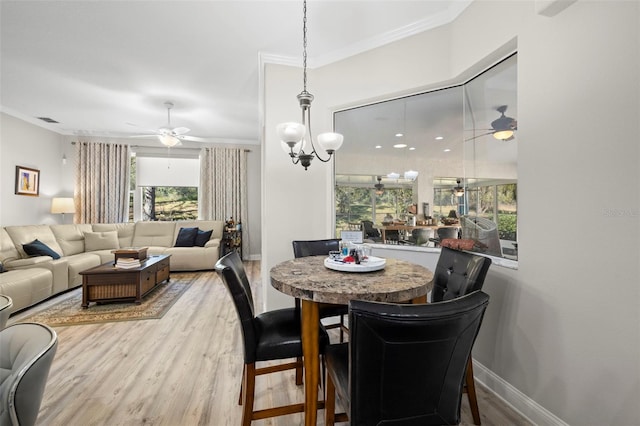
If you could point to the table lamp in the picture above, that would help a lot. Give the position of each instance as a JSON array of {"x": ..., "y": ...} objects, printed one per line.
[{"x": 63, "y": 205}]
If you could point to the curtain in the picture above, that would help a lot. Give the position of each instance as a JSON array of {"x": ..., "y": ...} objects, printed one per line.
[
  {"x": 223, "y": 187},
  {"x": 102, "y": 183}
]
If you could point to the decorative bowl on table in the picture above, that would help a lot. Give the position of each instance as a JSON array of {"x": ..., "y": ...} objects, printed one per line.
[{"x": 371, "y": 264}]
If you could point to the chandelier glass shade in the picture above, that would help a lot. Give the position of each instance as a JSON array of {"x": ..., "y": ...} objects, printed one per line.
[{"x": 296, "y": 138}]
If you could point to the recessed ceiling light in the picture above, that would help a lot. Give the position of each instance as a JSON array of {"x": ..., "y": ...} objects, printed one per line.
[
  {"x": 412, "y": 148},
  {"x": 399, "y": 135},
  {"x": 439, "y": 138},
  {"x": 378, "y": 146},
  {"x": 447, "y": 150},
  {"x": 400, "y": 145}
]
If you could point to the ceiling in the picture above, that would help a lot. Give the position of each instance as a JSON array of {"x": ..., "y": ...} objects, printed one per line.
[{"x": 106, "y": 68}]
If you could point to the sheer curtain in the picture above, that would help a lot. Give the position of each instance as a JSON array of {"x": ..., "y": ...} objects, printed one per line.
[
  {"x": 102, "y": 183},
  {"x": 223, "y": 187}
]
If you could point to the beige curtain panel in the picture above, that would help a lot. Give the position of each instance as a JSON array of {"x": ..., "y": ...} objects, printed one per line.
[
  {"x": 102, "y": 183},
  {"x": 223, "y": 186}
]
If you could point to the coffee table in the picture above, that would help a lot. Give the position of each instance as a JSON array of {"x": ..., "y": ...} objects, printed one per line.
[{"x": 106, "y": 283}]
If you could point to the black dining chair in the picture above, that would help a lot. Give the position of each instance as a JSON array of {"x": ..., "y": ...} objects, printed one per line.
[
  {"x": 303, "y": 248},
  {"x": 457, "y": 274},
  {"x": 269, "y": 336},
  {"x": 404, "y": 364}
]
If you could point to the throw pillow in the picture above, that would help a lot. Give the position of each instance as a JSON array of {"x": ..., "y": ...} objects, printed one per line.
[
  {"x": 186, "y": 237},
  {"x": 203, "y": 237},
  {"x": 38, "y": 248},
  {"x": 101, "y": 240}
]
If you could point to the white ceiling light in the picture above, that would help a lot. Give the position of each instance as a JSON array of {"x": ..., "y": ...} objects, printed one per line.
[
  {"x": 410, "y": 175},
  {"x": 393, "y": 175},
  {"x": 400, "y": 145},
  {"x": 439, "y": 138},
  {"x": 293, "y": 134}
]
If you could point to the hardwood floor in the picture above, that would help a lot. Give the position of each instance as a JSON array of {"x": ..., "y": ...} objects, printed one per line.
[{"x": 183, "y": 369}]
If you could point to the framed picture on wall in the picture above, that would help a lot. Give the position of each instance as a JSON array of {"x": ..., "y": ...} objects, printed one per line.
[{"x": 27, "y": 181}]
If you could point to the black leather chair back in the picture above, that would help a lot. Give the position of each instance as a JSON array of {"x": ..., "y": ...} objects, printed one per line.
[
  {"x": 303, "y": 248},
  {"x": 408, "y": 361},
  {"x": 458, "y": 273},
  {"x": 369, "y": 230},
  {"x": 231, "y": 270}
]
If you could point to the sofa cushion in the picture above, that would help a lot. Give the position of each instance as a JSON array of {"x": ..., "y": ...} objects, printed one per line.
[
  {"x": 38, "y": 248},
  {"x": 70, "y": 237},
  {"x": 159, "y": 234},
  {"x": 203, "y": 237},
  {"x": 124, "y": 230},
  {"x": 25, "y": 234},
  {"x": 8, "y": 250},
  {"x": 101, "y": 240},
  {"x": 186, "y": 237}
]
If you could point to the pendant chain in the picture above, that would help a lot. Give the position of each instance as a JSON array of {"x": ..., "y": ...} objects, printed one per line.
[{"x": 304, "y": 45}]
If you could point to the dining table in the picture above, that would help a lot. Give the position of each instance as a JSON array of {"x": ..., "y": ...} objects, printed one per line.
[{"x": 308, "y": 279}]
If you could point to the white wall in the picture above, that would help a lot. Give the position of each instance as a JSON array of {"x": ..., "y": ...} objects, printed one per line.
[
  {"x": 563, "y": 330},
  {"x": 23, "y": 144}
]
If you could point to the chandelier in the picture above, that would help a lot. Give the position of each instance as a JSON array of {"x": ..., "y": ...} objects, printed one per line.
[{"x": 296, "y": 137}]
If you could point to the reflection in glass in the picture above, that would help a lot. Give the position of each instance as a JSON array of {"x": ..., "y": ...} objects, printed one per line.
[{"x": 446, "y": 136}]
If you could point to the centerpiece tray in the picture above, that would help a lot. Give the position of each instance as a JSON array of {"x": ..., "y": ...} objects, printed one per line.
[{"x": 371, "y": 264}]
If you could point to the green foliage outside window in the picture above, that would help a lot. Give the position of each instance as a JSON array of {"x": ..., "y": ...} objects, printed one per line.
[{"x": 355, "y": 204}]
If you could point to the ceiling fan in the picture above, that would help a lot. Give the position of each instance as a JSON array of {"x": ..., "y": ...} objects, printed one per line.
[
  {"x": 169, "y": 136},
  {"x": 379, "y": 187},
  {"x": 458, "y": 191},
  {"x": 502, "y": 128}
]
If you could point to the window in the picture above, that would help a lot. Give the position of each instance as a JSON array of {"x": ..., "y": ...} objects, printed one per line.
[
  {"x": 167, "y": 203},
  {"x": 357, "y": 200},
  {"x": 166, "y": 188}
]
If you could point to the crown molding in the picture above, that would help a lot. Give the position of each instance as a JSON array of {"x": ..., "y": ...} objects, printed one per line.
[{"x": 426, "y": 24}]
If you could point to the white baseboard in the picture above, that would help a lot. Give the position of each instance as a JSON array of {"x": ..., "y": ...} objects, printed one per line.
[{"x": 520, "y": 402}]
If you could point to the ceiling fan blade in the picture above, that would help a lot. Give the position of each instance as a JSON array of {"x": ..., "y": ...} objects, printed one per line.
[
  {"x": 144, "y": 136},
  {"x": 477, "y": 136},
  {"x": 195, "y": 139},
  {"x": 181, "y": 130}
]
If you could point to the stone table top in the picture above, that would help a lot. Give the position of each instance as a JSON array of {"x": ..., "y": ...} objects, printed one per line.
[{"x": 307, "y": 278}]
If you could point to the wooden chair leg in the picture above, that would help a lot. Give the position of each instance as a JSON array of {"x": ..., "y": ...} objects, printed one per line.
[
  {"x": 244, "y": 372},
  {"x": 471, "y": 393},
  {"x": 330, "y": 403},
  {"x": 299, "y": 371},
  {"x": 248, "y": 388}
]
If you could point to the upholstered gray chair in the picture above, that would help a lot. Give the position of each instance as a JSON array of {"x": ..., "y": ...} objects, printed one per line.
[
  {"x": 26, "y": 354},
  {"x": 5, "y": 309}
]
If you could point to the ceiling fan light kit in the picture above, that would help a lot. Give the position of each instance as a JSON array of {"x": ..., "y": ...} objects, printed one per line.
[
  {"x": 294, "y": 136},
  {"x": 379, "y": 187}
]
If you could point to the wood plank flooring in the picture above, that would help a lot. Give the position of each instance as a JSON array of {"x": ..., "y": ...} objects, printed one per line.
[{"x": 183, "y": 369}]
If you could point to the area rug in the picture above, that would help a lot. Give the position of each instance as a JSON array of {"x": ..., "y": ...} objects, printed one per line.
[{"x": 156, "y": 304}]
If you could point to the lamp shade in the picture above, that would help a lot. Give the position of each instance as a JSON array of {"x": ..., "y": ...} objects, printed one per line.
[
  {"x": 330, "y": 141},
  {"x": 63, "y": 205},
  {"x": 168, "y": 140},
  {"x": 291, "y": 132},
  {"x": 503, "y": 134}
]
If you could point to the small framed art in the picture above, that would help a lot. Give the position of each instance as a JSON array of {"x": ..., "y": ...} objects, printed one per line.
[{"x": 27, "y": 181}]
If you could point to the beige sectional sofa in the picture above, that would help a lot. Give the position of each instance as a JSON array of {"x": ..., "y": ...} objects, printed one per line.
[{"x": 29, "y": 280}]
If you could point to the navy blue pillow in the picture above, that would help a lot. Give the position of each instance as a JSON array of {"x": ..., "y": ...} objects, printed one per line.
[
  {"x": 38, "y": 248},
  {"x": 186, "y": 237},
  {"x": 203, "y": 237}
]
